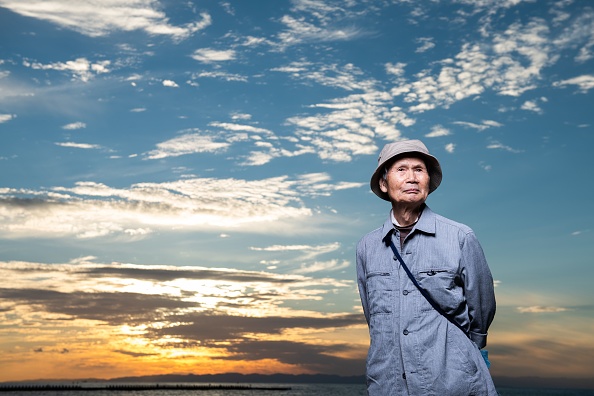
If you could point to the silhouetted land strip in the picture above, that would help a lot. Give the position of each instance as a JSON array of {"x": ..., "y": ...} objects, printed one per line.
[{"x": 137, "y": 387}]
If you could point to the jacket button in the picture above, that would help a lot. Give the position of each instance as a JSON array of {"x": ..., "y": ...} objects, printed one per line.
[
  {"x": 403, "y": 375},
  {"x": 405, "y": 332},
  {"x": 405, "y": 292},
  {"x": 395, "y": 258}
]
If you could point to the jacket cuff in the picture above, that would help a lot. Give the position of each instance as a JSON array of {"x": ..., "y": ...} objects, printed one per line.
[{"x": 479, "y": 339}]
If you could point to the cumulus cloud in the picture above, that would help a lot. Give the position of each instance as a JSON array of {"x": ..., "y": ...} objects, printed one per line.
[
  {"x": 101, "y": 18},
  {"x": 509, "y": 63},
  {"x": 531, "y": 105},
  {"x": 170, "y": 83}
]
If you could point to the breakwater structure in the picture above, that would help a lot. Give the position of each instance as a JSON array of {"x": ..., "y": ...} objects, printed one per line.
[{"x": 136, "y": 387}]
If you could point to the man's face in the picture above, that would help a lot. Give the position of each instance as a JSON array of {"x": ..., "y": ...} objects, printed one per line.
[{"x": 407, "y": 181}]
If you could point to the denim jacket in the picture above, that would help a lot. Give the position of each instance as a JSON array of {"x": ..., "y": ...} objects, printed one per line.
[{"x": 414, "y": 350}]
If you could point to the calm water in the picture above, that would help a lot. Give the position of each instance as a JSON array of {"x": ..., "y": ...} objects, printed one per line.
[{"x": 296, "y": 390}]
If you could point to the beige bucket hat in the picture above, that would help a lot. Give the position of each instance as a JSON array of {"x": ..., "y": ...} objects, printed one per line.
[{"x": 392, "y": 150}]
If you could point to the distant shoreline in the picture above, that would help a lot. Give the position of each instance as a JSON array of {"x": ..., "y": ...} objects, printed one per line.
[
  {"x": 136, "y": 387},
  {"x": 267, "y": 379}
]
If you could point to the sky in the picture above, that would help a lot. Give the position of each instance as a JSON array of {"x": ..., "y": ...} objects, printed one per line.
[{"x": 183, "y": 183}]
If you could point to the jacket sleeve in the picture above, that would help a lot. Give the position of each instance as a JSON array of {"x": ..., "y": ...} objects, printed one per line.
[
  {"x": 361, "y": 276},
  {"x": 478, "y": 289}
]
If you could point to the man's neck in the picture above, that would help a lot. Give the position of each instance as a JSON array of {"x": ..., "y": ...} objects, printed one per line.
[{"x": 406, "y": 215}]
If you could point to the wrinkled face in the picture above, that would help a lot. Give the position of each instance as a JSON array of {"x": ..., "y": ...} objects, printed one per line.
[{"x": 406, "y": 181}]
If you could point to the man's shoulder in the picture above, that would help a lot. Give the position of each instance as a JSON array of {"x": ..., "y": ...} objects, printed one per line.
[
  {"x": 449, "y": 223},
  {"x": 372, "y": 236}
]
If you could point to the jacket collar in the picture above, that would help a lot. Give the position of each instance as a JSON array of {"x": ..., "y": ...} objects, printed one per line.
[{"x": 426, "y": 224}]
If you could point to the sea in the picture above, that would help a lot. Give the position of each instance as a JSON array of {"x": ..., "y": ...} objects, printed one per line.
[{"x": 295, "y": 390}]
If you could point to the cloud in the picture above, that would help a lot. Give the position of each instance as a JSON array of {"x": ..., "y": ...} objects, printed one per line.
[
  {"x": 499, "y": 146},
  {"x": 80, "y": 68},
  {"x": 450, "y": 147},
  {"x": 486, "y": 124},
  {"x": 103, "y": 17},
  {"x": 170, "y": 83},
  {"x": 540, "y": 309},
  {"x": 221, "y": 75},
  {"x": 307, "y": 252},
  {"x": 79, "y": 145},
  {"x": 209, "y": 55},
  {"x": 97, "y": 210},
  {"x": 584, "y": 82},
  {"x": 438, "y": 131},
  {"x": 6, "y": 117},
  {"x": 156, "y": 310},
  {"x": 320, "y": 266},
  {"x": 74, "y": 125},
  {"x": 299, "y": 31},
  {"x": 531, "y": 105},
  {"x": 426, "y": 44},
  {"x": 508, "y": 62},
  {"x": 190, "y": 142}
]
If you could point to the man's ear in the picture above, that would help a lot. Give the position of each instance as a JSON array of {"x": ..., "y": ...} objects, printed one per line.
[{"x": 383, "y": 185}]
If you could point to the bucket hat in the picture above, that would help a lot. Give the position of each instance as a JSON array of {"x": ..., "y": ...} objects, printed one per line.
[{"x": 392, "y": 150}]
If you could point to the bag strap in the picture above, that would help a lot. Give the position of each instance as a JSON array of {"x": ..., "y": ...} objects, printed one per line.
[{"x": 424, "y": 292}]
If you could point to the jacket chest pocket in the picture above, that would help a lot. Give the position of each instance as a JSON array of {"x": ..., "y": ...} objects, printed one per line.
[
  {"x": 444, "y": 286},
  {"x": 380, "y": 292}
]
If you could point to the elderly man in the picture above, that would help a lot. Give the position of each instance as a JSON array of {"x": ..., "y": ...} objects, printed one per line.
[{"x": 425, "y": 286}]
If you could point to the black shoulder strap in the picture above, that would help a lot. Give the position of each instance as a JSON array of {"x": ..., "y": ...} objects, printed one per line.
[{"x": 423, "y": 291}]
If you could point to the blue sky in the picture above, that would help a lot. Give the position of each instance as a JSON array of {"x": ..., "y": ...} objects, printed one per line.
[{"x": 183, "y": 184}]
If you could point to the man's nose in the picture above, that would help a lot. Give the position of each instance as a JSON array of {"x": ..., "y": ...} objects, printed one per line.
[{"x": 411, "y": 176}]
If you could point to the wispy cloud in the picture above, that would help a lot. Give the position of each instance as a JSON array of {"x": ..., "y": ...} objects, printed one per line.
[
  {"x": 86, "y": 146},
  {"x": 426, "y": 43},
  {"x": 6, "y": 117},
  {"x": 101, "y": 18},
  {"x": 97, "y": 210},
  {"x": 480, "y": 127},
  {"x": 80, "y": 68},
  {"x": 190, "y": 142},
  {"x": 306, "y": 252},
  {"x": 438, "y": 131},
  {"x": 500, "y": 146},
  {"x": 74, "y": 125},
  {"x": 584, "y": 82},
  {"x": 541, "y": 309},
  {"x": 220, "y": 75},
  {"x": 209, "y": 55}
]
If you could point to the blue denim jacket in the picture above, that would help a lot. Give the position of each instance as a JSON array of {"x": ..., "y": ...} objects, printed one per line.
[{"x": 414, "y": 350}]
